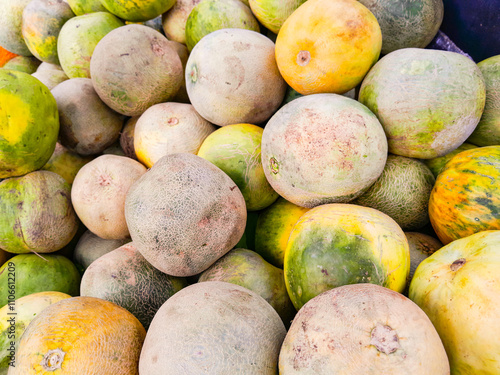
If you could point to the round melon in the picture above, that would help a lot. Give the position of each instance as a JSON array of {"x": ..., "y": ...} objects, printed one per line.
[
  {"x": 50, "y": 77},
  {"x": 99, "y": 191},
  {"x": 30, "y": 123},
  {"x": 406, "y": 23},
  {"x": 90, "y": 247},
  {"x": 66, "y": 163},
  {"x": 402, "y": 192},
  {"x": 47, "y": 66},
  {"x": 11, "y": 18},
  {"x": 459, "y": 290},
  {"x": 174, "y": 20},
  {"x": 183, "y": 52},
  {"x": 78, "y": 38},
  {"x": 360, "y": 329},
  {"x": 184, "y": 214},
  {"x": 466, "y": 196},
  {"x": 124, "y": 277},
  {"x": 42, "y": 22},
  {"x": 232, "y": 77},
  {"x": 273, "y": 13},
  {"x": 421, "y": 246},
  {"x": 487, "y": 132},
  {"x": 5, "y": 56},
  {"x": 211, "y": 15},
  {"x": 236, "y": 150},
  {"x": 323, "y": 148},
  {"x": 137, "y": 10},
  {"x": 150, "y": 69},
  {"x": 339, "y": 244},
  {"x": 327, "y": 46},
  {"x": 34, "y": 274},
  {"x": 169, "y": 128},
  {"x": 81, "y": 7},
  {"x": 25, "y": 64},
  {"x": 274, "y": 226},
  {"x": 127, "y": 137},
  {"x": 213, "y": 328},
  {"x": 37, "y": 214},
  {"x": 15, "y": 317},
  {"x": 437, "y": 164},
  {"x": 88, "y": 125},
  {"x": 248, "y": 269},
  {"x": 428, "y": 101},
  {"x": 81, "y": 333}
]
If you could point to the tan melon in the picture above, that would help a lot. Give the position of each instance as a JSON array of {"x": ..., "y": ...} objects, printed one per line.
[
  {"x": 174, "y": 21},
  {"x": 50, "y": 77},
  {"x": 98, "y": 194}
]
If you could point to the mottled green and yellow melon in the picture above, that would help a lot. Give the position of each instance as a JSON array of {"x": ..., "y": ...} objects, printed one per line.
[
  {"x": 273, "y": 13},
  {"x": 174, "y": 20},
  {"x": 66, "y": 163},
  {"x": 137, "y": 10},
  {"x": 81, "y": 7},
  {"x": 437, "y": 164},
  {"x": 25, "y": 64}
]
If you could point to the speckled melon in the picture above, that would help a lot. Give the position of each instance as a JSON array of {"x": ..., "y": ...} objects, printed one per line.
[
  {"x": 360, "y": 329},
  {"x": 78, "y": 38},
  {"x": 174, "y": 20},
  {"x": 466, "y": 196},
  {"x": 236, "y": 150},
  {"x": 323, "y": 148},
  {"x": 273, "y": 13},
  {"x": 402, "y": 192},
  {"x": 11, "y": 16},
  {"x": 37, "y": 214},
  {"x": 12, "y": 326},
  {"x": 30, "y": 123},
  {"x": 81, "y": 7},
  {"x": 406, "y": 23},
  {"x": 99, "y": 191},
  {"x": 35, "y": 274},
  {"x": 42, "y": 22},
  {"x": 25, "y": 64},
  {"x": 169, "y": 128},
  {"x": 230, "y": 330},
  {"x": 421, "y": 247},
  {"x": 81, "y": 333},
  {"x": 90, "y": 247},
  {"x": 428, "y": 101},
  {"x": 124, "y": 277},
  {"x": 437, "y": 164},
  {"x": 137, "y": 10},
  {"x": 248, "y": 269},
  {"x": 184, "y": 214},
  {"x": 339, "y": 244},
  {"x": 232, "y": 77},
  {"x": 150, "y": 69},
  {"x": 274, "y": 226},
  {"x": 211, "y": 15},
  {"x": 487, "y": 132}
]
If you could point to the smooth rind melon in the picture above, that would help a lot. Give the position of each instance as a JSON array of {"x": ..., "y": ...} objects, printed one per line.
[
  {"x": 25, "y": 64},
  {"x": 273, "y": 13},
  {"x": 81, "y": 7},
  {"x": 174, "y": 20},
  {"x": 11, "y": 16},
  {"x": 421, "y": 247},
  {"x": 66, "y": 163},
  {"x": 437, "y": 164},
  {"x": 137, "y": 10},
  {"x": 90, "y": 247}
]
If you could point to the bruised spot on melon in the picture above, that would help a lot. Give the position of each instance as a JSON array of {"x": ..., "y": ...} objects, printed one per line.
[{"x": 385, "y": 339}]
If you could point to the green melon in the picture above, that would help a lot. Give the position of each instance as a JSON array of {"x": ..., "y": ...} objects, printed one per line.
[
  {"x": 11, "y": 16},
  {"x": 339, "y": 244},
  {"x": 247, "y": 241},
  {"x": 437, "y": 164},
  {"x": 236, "y": 150},
  {"x": 124, "y": 277},
  {"x": 421, "y": 246},
  {"x": 78, "y": 38},
  {"x": 137, "y": 10},
  {"x": 248, "y": 269},
  {"x": 42, "y": 22},
  {"x": 66, "y": 163},
  {"x": 402, "y": 192},
  {"x": 37, "y": 214},
  {"x": 14, "y": 319},
  {"x": 81, "y": 7},
  {"x": 406, "y": 23},
  {"x": 487, "y": 132},
  {"x": 29, "y": 123},
  {"x": 273, "y": 13},
  {"x": 25, "y": 64},
  {"x": 211, "y": 15},
  {"x": 34, "y": 274},
  {"x": 274, "y": 226},
  {"x": 428, "y": 101}
]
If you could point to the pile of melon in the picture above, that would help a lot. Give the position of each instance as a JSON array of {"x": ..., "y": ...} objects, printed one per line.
[{"x": 245, "y": 187}]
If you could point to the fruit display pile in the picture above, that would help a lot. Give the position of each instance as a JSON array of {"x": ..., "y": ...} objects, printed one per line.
[{"x": 251, "y": 187}]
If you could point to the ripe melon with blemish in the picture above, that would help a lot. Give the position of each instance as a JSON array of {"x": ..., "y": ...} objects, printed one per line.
[
  {"x": 169, "y": 128},
  {"x": 42, "y": 22},
  {"x": 174, "y": 20},
  {"x": 184, "y": 214},
  {"x": 81, "y": 333},
  {"x": 90, "y": 247},
  {"x": 232, "y": 77},
  {"x": 124, "y": 277},
  {"x": 99, "y": 192},
  {"x": 339, "y": 244},
  {"x": 230, "y": 330},
  {"x": 327, "y": 46},
  {"x": 135, "y": 67},
  {"x": 11, "y": 18},
  {"x": 428, "y": 101},
  {"x": 137, "y": 10},
  {"x": 78, "y": 38},
  {"x": 323, "y": 148},
  {"x": 357, "y": 328}
]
